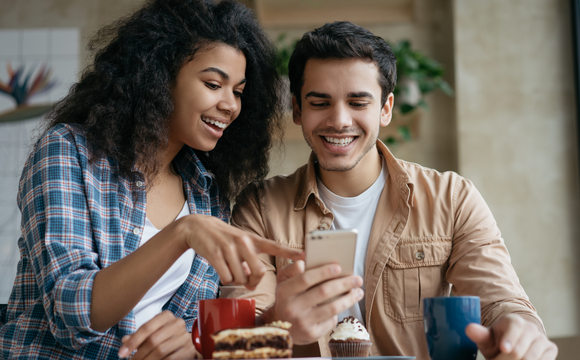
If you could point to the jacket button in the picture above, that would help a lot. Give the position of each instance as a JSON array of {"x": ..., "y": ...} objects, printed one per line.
[
  {"x": 323, "y": 226},
  {"x": 136, "y": 231},
  {"x": 419, "y": 255},
  {"x": 139, "y": 183}
]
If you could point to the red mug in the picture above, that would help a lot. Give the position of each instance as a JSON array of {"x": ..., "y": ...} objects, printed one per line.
[{"x": 218, "y": 314}]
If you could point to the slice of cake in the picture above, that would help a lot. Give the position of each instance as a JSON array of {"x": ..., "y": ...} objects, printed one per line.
[{"x": 262, "y": 342}]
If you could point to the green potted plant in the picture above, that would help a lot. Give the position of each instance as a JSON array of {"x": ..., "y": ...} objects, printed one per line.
[{"x": 417, "y": 75}]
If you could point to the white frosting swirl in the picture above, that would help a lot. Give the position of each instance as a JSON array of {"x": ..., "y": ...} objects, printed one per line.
[{"x": 349, "y": 328}]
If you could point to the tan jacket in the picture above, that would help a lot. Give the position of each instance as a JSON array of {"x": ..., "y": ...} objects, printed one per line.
[{"x": 432, "y": 233}]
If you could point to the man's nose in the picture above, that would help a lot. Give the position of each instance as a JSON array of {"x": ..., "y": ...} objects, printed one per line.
[{"x": 340, "y": 117}]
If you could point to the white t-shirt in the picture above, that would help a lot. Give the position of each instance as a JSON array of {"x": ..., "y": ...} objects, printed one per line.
[
  {"x": 356, "y": 213},
  {"x": 152, "y": 303}
]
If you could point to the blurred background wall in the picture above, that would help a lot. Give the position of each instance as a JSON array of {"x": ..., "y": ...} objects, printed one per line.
[{"x": 510, "y": 128}]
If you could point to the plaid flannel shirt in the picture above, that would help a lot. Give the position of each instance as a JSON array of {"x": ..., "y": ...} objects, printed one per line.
[{"x": 79, "y": 217}]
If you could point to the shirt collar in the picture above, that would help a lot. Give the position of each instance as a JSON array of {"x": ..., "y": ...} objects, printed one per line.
[
  {"x": 191, "y": 168},
  {"x": 399, "y": 175}
]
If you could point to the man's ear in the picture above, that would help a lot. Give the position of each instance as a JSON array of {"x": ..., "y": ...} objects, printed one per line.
[
  {"x": 387, "y": 110},
  {"x": 296, "y": 112}
]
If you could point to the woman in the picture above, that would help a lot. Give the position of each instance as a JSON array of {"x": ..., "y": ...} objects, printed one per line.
[{"x": 154, "y": 136}]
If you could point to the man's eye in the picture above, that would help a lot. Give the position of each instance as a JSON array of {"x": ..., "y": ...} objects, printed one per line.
[
  {"x": 319, "y": 104},
  {"x": 212, "y": 86},
  {"x": 359, "y": 105}
]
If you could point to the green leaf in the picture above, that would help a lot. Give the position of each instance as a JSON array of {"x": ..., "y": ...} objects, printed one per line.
[
  {"x": 413, "y": 64},
  {"x": 406, "y": 108},
  {"x": 283, "y": 53},
  {"x": 405, "y": 132},
  {"x": 390, "y": 140}
]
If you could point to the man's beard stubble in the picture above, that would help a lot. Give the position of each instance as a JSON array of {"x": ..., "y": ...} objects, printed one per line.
[{"x": 348, "y": 167}]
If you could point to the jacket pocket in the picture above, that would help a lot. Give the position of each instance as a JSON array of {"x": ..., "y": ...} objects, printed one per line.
[{"x": 415, "y": 270}]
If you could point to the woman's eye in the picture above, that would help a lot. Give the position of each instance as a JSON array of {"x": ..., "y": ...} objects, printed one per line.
[
  {"x": 212, "y": 86},
  {"x": 238, "y": 94},
  {"x": 318, "y": 104}
]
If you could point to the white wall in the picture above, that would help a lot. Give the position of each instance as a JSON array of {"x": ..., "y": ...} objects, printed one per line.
[
  {"x": 58, "y": 49},
  {"x": 516, "y": 141}
]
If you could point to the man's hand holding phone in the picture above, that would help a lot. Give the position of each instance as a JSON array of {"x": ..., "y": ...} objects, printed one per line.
[{"x": 310, "y": 299}]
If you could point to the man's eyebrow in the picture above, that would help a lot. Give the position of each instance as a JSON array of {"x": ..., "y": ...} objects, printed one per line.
[
  {"x": 360, "y": 94},
  {"x": 221, "y": 73},
  {"x": 318, "y": 95}
]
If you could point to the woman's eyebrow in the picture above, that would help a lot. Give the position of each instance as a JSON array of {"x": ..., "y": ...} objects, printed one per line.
[{"x": 221, "y": 73}]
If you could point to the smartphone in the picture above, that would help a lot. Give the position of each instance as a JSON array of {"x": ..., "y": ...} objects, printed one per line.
[{"x": 331, "y": 246}]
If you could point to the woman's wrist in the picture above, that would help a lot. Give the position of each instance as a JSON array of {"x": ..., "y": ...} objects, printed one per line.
[{"x": 182, "y": 233}]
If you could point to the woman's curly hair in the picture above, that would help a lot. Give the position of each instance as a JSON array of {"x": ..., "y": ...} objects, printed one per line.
[{"x": 123, "y": 100}]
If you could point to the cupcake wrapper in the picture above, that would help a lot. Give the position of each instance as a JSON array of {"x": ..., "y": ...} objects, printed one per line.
[{"x": 349, "y": 349}]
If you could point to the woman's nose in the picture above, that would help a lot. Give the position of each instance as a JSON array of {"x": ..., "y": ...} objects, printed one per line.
[{"x": 229, "y": 103}]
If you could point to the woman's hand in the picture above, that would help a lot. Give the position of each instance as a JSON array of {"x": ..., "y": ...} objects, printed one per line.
[
  {"x": 232, "y": 252},
  {"x": 163, "y": 337}
]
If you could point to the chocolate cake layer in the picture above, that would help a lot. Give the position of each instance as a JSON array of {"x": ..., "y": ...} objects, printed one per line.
[{"x": 253, "y": 343}]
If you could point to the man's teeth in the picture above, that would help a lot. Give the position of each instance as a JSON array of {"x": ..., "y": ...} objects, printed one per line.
[
  {"x": 221, "y": 125},
  {"x": 339, "y": 141}
]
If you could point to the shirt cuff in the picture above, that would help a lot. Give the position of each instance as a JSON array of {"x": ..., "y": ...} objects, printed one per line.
[{"x": 72, "y": 309}]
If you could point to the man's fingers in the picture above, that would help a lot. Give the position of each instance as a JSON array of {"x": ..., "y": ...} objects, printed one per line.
[
  {"x": 273, "y": 248},
  {"x": 510, "y": 329},
  {"x": 290, "y": 270},
  {"x": 540, "y": 349},
  {"x": 309, "y": 278},
  {"x": 534, "y": 351},
  {"x": 524, "y": 344},
  {"x": 315, "y": 331},
  {"x": 333, "y": 288},
  {"x": 551, "y": 353},
  {"x": 337, "y": 306},
  {"x": 481, "y": 336}
]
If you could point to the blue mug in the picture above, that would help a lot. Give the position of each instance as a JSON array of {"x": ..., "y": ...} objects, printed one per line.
[{"x": 445, "y": 319}]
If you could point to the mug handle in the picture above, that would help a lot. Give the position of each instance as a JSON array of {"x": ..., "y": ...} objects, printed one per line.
[{"x": 195, "y": 336}]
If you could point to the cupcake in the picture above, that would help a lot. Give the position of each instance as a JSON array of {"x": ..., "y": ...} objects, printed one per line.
[{"x": 349, "y": 339}]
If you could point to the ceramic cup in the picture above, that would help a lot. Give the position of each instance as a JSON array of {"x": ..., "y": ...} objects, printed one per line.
[
  {"x": 220, "y": 314},
  {"x": 445, "y": 319}
]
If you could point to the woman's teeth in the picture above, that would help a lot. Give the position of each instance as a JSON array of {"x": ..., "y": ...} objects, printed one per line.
[
  {"x": 339, "y": 141},
  {"x": 221, "y": 125}
]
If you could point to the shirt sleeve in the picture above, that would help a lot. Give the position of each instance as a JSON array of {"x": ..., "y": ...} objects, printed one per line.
[
  {"x": 57, "y": 235},
  {"x": 247, "y": 215},
  {"x": 480, "y": 263}
]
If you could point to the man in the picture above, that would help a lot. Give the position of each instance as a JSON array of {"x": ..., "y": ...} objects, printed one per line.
[{"x": 421, "y": 233}]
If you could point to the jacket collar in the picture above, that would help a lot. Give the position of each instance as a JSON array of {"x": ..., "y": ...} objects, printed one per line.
[{"x": 399, "y": 176}]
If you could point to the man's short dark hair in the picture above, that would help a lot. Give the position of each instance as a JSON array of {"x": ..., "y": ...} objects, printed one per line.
[{"x": 343, "y": 40}]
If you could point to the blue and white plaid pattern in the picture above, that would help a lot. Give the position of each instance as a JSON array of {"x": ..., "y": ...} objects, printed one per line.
[{"x": 78, "y": 217}]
